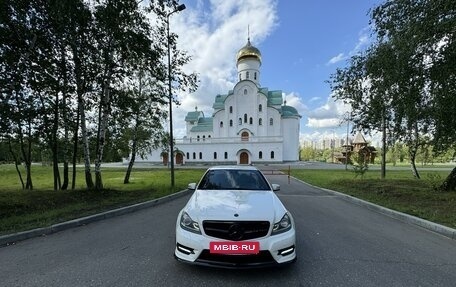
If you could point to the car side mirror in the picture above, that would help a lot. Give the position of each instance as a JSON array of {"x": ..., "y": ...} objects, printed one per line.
[
  {"x": 191, "y": 186},
  {"x": 275, "y": 187}
]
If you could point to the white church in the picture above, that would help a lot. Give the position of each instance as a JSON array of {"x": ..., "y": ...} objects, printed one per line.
[{"x": 249, "y": 125}]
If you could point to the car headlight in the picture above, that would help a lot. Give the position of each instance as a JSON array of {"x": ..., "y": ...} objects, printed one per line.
[
  {"x": 283, "y": 225},
  {"x": 187, "y": 223}
]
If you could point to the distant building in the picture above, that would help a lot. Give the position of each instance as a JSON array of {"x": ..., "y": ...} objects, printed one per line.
[
  {"x": 249, "y": 124},
  {"x": 359, "y": 146}
]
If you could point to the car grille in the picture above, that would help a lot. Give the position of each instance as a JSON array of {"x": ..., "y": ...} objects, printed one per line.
[
  {"x": 263, "y": 258},
  {"x": 236, "y": 230}
]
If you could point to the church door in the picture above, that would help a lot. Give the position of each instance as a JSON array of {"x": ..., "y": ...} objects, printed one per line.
[
  {"x": 165, "y": 159},
  {"x": 244, "y": 158},
  {"x": 179, "y": 158}
]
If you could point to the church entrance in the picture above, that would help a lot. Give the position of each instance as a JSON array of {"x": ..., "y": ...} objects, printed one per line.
[
  {"x": 179, "y": 158},
  {"x": 244, "y": 158},
  {"x": 165, "y": 158}
]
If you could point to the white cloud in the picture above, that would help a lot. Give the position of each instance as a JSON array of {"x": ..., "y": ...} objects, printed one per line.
[
  {"x": 336, "y": 59},
  {"x": 212, "y": 34},
  {"x": 330, "y": 115},
  {"x": 293, "y": 99}
]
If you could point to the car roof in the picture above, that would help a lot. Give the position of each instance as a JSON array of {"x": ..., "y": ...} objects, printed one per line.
[{"x": 233, "y": 167}]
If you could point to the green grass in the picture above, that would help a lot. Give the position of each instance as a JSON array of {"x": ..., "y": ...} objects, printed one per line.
[
  {"x": 26, "y": 209},
  {"x": 399, "y": 191}
]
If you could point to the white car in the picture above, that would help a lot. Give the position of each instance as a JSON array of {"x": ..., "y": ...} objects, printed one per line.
[{"x": 234, "y": 219}]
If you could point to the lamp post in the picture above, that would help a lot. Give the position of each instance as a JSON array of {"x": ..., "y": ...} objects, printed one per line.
[{"x": 171, "y": 137}]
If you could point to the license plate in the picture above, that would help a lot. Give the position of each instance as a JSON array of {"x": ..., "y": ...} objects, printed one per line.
[{"x": 227, "y": 247}]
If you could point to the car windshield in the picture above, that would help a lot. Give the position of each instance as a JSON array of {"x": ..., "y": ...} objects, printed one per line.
[{"x": 234, "y": 180}]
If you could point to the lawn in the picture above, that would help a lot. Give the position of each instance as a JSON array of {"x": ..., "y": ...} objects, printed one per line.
[
  {"x": 399, "y": 191},
  {"x": 23, "y": 209}
]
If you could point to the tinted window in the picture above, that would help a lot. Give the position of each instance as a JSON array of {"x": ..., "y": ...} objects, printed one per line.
[{"x": 234, "y": 179}]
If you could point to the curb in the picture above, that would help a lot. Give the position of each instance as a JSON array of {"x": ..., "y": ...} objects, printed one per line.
[
  {"x": 407, "y": 218},
  {"x": 9, "y": 239}
]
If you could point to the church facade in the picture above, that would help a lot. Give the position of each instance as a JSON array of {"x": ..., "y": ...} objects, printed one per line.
[{"x": 249, "y": 124}]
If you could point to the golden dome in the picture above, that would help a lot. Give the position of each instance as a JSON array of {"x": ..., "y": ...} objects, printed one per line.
[{"x": 248, "y": 51}]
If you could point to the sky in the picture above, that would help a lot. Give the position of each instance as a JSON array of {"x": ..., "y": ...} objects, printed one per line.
[{"x": 302, "y": 43}]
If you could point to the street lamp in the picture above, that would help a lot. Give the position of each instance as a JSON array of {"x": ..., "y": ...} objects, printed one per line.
[{"x": 171, "y": 137}]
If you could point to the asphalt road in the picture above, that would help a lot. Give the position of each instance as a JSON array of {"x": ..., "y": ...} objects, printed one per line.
[{"x": 338, "y": 244}]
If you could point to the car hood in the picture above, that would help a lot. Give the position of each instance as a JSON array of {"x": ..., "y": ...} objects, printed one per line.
[{"x": 226, "y": 204}]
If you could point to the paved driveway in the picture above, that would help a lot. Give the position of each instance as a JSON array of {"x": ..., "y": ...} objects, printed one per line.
[{"x": 339, "y": 244}]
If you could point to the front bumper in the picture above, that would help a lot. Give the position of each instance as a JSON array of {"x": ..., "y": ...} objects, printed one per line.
[{"x": 274, "y": 250}]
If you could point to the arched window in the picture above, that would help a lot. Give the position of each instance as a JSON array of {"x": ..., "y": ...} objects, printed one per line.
[
  {"x": 221, "y": 124},
  {"x": 209, "y": 136},
  {"x": 255, "y": 76},
  {"x": 245, "y": 91},
  {"x": 260, "y": 107},
  {"x": 260, "y": 121},
  {"x": 240, "y": 121},
  {"x": 226, "y": 155},
  {"x": 231, "y": 123},
  {"x": 239, "y": 76},
  {"x": 194, "y": 155},
  {"x": 215, "y": 155},
  {"x": 231, "y": 109},
  {"x": 244, "y": 136},
  {"x": 247, "y": 75},
  {"x": 260, "y": 155},
  {"x": 197, "y": 138},
  {"x": 188, "y": 155},
  {"x": 245, "y": 118},
  {"x": 204, "y": 137},
  {"x": 272, "y": 154},
  {"x": 200, "y": 155},
  {"x": 251, "y": 121},
  {"x": 271, "y": 121}
]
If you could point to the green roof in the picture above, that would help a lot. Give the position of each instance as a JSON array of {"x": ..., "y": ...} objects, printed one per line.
[
  {"x": 192, "y": 116},
  {"x": 275, "y": 98},
  {"x": 219, "y": 102},
  {"x": 203, "y": 125},
  {"x": 288, "y": 111}
]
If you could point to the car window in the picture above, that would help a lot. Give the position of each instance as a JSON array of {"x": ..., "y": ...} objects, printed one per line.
[{"x": 234, "y": 180}]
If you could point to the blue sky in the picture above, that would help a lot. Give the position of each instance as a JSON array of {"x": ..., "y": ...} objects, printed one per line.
[{"x": 302, "y": 43}]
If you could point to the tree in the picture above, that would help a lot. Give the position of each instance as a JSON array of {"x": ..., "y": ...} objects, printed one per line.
[{"x": 410, "y": 61}]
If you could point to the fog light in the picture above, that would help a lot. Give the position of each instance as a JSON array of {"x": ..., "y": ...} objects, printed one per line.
[
  {"x": 184, "y": 249},
  {"x": 286, "y": 251}
]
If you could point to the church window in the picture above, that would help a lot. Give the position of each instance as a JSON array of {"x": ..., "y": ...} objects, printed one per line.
[
  {"x": 240, "y": 121},
  {"x": 251, "y": 121},
  {"x": 272, "y": 154},
  {"x": 239, "y": 76},
  {"x": 245, "y": 91},
  {"x": 226, "y": 155},
  {"x": 260, "y": 121},
  {"x": 221, "y": 124},
  {"x": 245, "y": 118},
  {"x": 255, "y": 76},
  {"x": 200, "y": 155},
  {"x": 188, "y": 155},
  {"x": 271, "y": 121},
  {"x": 209, "y": 136},
  {"x": 215, "y": 155},
  {"x": 247, "y": 75},
  {"x": 198, "y": 138},
  {"x": 194, "y": 155},
  {"x": 260, "y": 107},
  {"x": 244, "y": 136},
  {"x": 260, "y": 155},
  {"x": 231, "y": 109},
  {"x": 231, "y": 123}
]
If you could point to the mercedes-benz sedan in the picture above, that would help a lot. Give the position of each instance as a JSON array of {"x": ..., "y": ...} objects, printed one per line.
[{"x": 234, "y": 219}]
